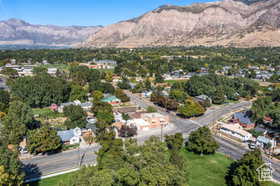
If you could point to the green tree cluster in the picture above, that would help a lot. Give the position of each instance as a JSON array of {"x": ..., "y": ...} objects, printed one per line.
[
  {"x": 244, "y": 171},
  {"x": 10, "y": 167},
  {"x": 202, "y": 142},
  {"x": 16, "y": 122},
  {"x": 4, "y": 100},
  {"x": 43, "y": 140},
  {"x": 148, "y": 164},
  {"x": 76, "y": 117},
  {"x": 190, "y": 108},
  {"x": 41, "y": 90}
]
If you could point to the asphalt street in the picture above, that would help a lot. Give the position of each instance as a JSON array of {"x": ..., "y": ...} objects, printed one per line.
[
  {"x": 50, "y": 164},
  {"x": 3, "y": 83}
]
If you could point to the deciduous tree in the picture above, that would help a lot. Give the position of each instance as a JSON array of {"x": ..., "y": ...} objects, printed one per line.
[
  {"x": 43, "y": 140},
  {"x": 202, "y": 142},
  {"x": 76, "y": 116}
]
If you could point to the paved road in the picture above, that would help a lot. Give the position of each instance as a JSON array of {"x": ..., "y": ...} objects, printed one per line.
[
  {"x": 3, "y": 83},
  {"x": 45, "y": 165},
  {"x": 186, "y": 126}
]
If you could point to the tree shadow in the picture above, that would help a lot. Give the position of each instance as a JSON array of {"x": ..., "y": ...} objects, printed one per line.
[{"x": 32, "y": 174}]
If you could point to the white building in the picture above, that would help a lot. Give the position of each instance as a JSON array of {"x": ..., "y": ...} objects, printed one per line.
[
  {"x": 140, "y": 124},
  {"x": 235, "y": 130},
  {"x": 52, "y": 71},
  {"x": 263, "y": 141}
]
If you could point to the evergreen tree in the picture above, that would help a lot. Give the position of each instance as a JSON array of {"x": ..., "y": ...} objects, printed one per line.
[
  {"x": 16, "y": 122},
  {"x": 11, "y": 167},
  {"x": 244, "y": 171}
]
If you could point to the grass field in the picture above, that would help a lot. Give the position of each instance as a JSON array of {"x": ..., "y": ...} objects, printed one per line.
[
  {"x": 53, "y": 181},
  {"x": 204, "y": 170},
  {"x": 171, "y": 82},
  {"x": 208, "y": 170},
  {"x": 58, "y": 66},
  {"x": 46, "y": 113}
]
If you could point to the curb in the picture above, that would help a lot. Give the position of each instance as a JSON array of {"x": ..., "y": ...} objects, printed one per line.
[{"x": 51, "y": 175}]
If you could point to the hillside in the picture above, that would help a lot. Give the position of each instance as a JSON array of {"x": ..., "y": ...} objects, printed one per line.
[{"x": 244, "y": 23}]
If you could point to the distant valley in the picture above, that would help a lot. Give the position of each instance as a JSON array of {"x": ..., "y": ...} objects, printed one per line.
[{"x": 15, "y": 32}]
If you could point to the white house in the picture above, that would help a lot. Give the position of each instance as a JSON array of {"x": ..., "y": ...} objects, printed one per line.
[
  {"x": 63, "y": 105},
  {"x": 140, "y": 124},
  {"x": 235, "y": 130},
  {"x": 118, "y": 117},
  {"x": 263, "y": 141}
]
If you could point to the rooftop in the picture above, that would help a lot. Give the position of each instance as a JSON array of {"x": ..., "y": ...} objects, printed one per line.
[{"x": 243, "y": 117}]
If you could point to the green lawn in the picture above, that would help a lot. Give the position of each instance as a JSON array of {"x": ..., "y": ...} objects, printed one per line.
[
  {"x": 171, "y": 82},
  {"x": 53, "y": 181},
  {"x": 58, "y": 66},
  {"x": 208, "y": 170},
  {"x": 46, "y": 113},
  {"x": 204, "y": 170}
]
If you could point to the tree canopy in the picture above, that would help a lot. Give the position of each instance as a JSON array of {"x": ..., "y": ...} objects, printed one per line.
[
  {"x": 43, "y": 140},
  {"x": 41, "y": 90},
  {"x": 202, "y": 142}
]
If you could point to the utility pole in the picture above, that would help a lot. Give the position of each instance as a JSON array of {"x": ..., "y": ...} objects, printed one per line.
[{"x": 161, "y": 133}]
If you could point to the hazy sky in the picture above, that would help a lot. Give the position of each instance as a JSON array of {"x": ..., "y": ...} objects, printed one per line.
[{"x": 80, "y": 12}]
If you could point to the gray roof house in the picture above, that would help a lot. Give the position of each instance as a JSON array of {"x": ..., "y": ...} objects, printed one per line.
[
  {"x": 86, "y": 106},
  {"x": 72, "y": 136}
]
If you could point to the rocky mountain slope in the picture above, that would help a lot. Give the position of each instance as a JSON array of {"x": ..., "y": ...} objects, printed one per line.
[
  {"x": 245, "y": 23},
  {"x": 15, "y": 31}
]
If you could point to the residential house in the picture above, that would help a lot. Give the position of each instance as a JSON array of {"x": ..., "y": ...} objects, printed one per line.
[
  {"x": 25, "y": 72},
  {"x": 147, "y": 94},
  {"x": 203, "y": 98},
  {"x": 267, "y": 120},
  {"x": 100, "y": 64},
  {"x": 118, "y": 117},
  {"x": 54, "y": 107},
  {"x": 71, "y": 136},
  {"x": 125, "y": 109},
  {"x": 235, "y": 130},
  {"x": 265, "y": 142},
  {"x": 52, "y": 71},
  {"x": 243, "y": 118},
  {"x": 112, "y": 100},
  {"x": 63, "y": 105},
  {"x": 86, "y": 106},
  {"x": 91, "y": 124}
]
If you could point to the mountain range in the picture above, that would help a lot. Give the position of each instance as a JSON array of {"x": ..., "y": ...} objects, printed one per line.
[
  {"x": 238, "y": 23},
  {"x": 19, "y": 32},
  {"x": 247, "y": 23}
]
